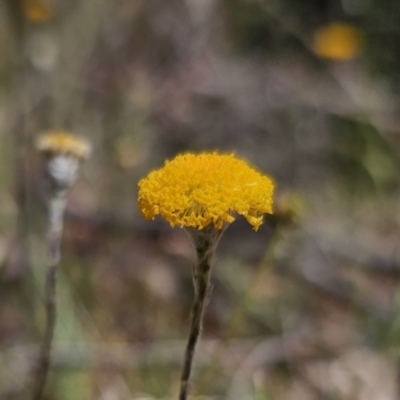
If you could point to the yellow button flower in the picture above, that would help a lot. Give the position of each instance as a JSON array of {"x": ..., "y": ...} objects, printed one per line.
[
  {"x": 198, "y": 190},
  {"x": 37, "y": 10},
  {"x": 338, "y": 41},
  {"x": 61, "y": 142}
]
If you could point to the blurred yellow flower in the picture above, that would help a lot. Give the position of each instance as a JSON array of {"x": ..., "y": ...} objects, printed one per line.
[
  {"x": 338, "y": 41},
  {"x": 196, "y": 190},
  {"x": 61, "y": 142},
  {"x": 37, "y": 10},
  {"x": 127, "y": 152}
]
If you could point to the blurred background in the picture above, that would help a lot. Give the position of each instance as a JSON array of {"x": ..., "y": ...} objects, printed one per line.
[{"x": 308, "y": 92}]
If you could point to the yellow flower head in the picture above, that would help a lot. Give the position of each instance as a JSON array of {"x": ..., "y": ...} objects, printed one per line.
[
  {"x": 60, "y": 142},
  {"x": 196, "y": 190},
  {"x": 37, "y": 10},
  {"x": 339, "y": 41}
]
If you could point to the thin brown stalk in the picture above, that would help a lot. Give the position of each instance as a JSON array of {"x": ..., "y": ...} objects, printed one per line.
[
  {"x": 205, "y": 244},
  {"x": 56, "y": 213}
]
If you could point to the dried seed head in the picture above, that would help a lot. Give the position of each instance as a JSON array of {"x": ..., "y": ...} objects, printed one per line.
[
  {"x": 64, "y": 153},
  {"x": 59, "y": 142}
]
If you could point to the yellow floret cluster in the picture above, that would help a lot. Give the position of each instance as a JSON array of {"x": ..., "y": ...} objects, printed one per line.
[
  {"x": 37, "y": 10},
  {"x": 338, "y": 41},
  {"x": 196, "y": 190},
  {"x": 61, "y": 142}
]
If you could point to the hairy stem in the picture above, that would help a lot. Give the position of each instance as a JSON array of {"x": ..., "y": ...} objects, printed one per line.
[
  {"x": 205, "y": 244},
  {"x": 56, "y": 213}
]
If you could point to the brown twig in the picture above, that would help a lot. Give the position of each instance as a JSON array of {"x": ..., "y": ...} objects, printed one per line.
[
  {"x": 205, "y": 244},
  {"x": 56, "y": 213}
]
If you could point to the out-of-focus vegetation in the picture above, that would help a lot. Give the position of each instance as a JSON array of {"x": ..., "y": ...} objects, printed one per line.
[{"x": 307, "y": 307}]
